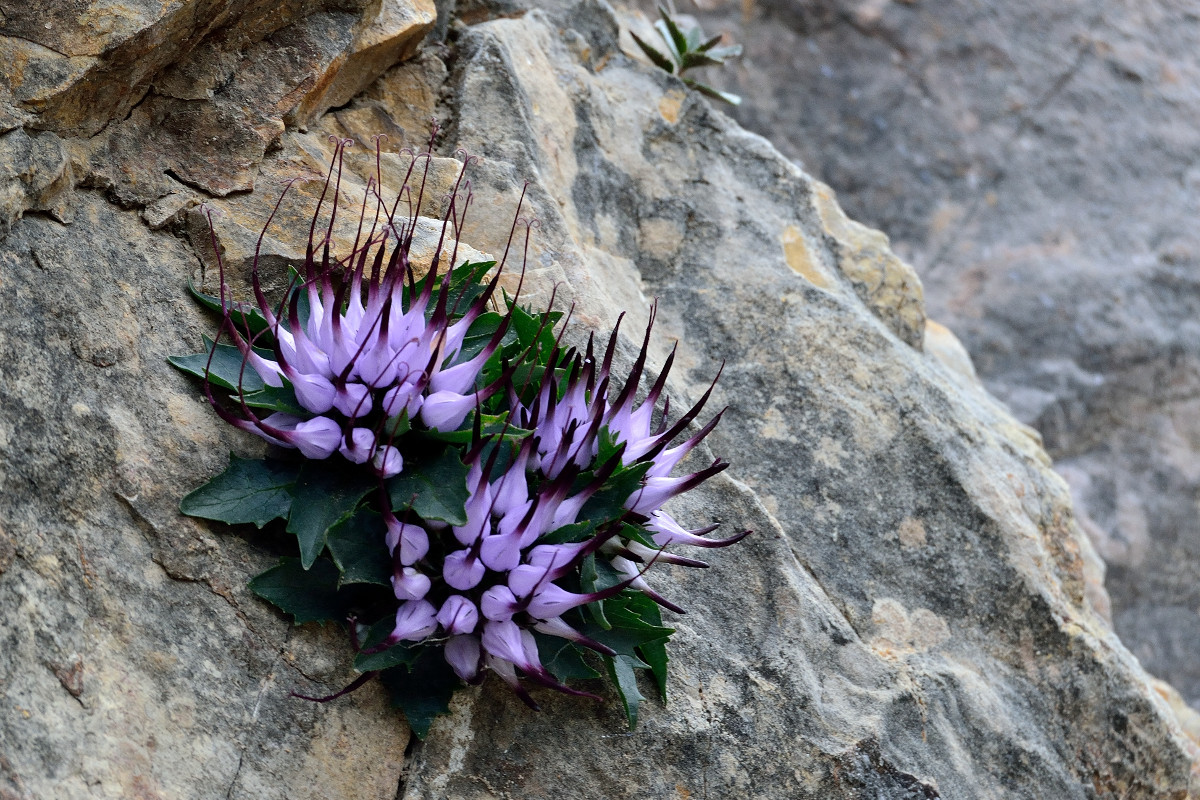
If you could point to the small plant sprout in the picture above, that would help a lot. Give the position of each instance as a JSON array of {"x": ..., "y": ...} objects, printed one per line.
[
  {"x": 688, "y": 50},
  {"x": 466, "y": 494}
]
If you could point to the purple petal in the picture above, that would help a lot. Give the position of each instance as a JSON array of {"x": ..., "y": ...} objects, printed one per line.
[
  {"x": 458, "y": 615},
  {"x": 462, "y": 654},
  {"x": 501, "y": 552},
  {"x": 387, "y": 462},
  {"x": 410, "y": 584},
  {"x": 498, "y": 603},
  {"x": 463, "y": 570},
  {"x": 415, "y": 620},
  {"x": 358, "y": 446}
]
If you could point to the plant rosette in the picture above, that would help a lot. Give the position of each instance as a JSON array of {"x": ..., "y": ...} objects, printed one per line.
[{"x": 467, "y": 495}]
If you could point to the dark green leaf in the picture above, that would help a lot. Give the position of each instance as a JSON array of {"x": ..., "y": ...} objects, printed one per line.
[
  {"x": 653, "y": 652},
  {"x": 563, "y": 659},
  {"x": 250, "y": 490},
  {"x": 308, "y": 594},
  {"x": 725, "y": 97},
  {"x": 609, "y": 502},
  {"x": 422, "y": 691},
  {"x": 276, "y": 398},
  {"x": 620, "y": 669},
  {"x": 400, "y": 654},
  {"x": 242, "y": 314},
  {"x": 491, "y": 425},
  {"x": 324, "y": 495},
  {"x": 435, "y": 489},
  {"x": 395, "y": 427},
  {"x": 636, "y": 533},
  {"x": 480, "y": 333},
  {"x": 228, "y": 369},
  {"x": 359, "y": 549},
  {"x": 694, "y": 60},
  {"x": 659, "y": 60},
  {"x": 673, "y": 35},
  {"x": 569, "y": 534},
  {"x": 713, "y": 42}
]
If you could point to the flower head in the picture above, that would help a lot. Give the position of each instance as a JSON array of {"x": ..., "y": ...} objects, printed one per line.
[{"x": 514, "y": 488}]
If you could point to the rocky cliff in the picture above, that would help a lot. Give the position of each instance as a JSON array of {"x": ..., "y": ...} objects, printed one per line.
[{"x": 913, "y": 618}]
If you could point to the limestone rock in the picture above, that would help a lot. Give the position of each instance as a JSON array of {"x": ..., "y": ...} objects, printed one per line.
[
  {"x": 911, "y": 618},
  {"x": 1038, "y": 167},
  {"x": 35, "y": 175}
]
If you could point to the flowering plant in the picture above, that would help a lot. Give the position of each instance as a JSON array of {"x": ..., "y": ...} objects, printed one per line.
[{"x": 467, "y": 494}]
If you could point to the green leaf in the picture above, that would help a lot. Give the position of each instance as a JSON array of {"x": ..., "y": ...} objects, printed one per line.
[
  {"x": 359, "y": 548},
  {"x": 435, "y": 489},
  {"x": 324, "y": 495},
  {"x": 653, "y": 652},
  {"x": 491, "y": 425},
  {"x": 636, "y": 533},
  {"x": 609, "y": 502},
  {"x": 250, "y": 490},
  {"x": 694, "y": 60},
  {"x": 627, "y": 630},
  {"x": 569, "y": 534},
  {"x": 242, "y": 314},
  {"x": 309, "y": 594},
  {"x": 659, "y": 60},
  {"x": 620, "y": 669},
  {"x": 563, "y": 659},
  {"x": 400, "y": 654},
  {"x": 724, "y": 97},
  {"x": 676, "y": 37},
  {"x": 588, "y": 584},
  {"x": 423, "y": 690},
  {"x": 276, "y": 398},
  {"x": 228, "y": 369}
]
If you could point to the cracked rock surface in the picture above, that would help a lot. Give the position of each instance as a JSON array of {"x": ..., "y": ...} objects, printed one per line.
[
  {"x": 1037, "y": 165},
  {"x": 914, "y": 617}
]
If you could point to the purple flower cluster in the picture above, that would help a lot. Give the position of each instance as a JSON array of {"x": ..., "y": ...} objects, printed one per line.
[
  {"x": 396, "y": 351},
  {"x": 579, "y": 469},
  {"x": 499, "y": 580}
]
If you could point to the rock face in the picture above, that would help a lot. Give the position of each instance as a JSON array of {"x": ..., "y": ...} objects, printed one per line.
[
  {"x": 911, "y": 618},
  {"x": 1037, "y": 165}
]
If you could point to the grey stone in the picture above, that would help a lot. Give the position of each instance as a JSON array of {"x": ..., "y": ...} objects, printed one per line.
[
  {"x": 912, "y": 618},
  {"x": 1037, "y": 165}
]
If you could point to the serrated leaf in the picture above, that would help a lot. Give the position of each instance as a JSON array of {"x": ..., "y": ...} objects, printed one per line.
[
  {"x": 620, "y": 669},
  {"x": 636, "y": 533},
  {"x": 359, "y": 548},
  {"x": 659, "y": 60},
  {"x": 435, "y": 489},
  {"x": 563, "y": 659},
  {"x": 587, "y": 583},
  {"x": 227, "y": 368},
  {"x": 423, "y": 690},
  {"x": 250, "y": 490},
  {"x": 655, "y": 654},
  {"x": 324, "y": 494},
  {"x": 308, "y": 594}
]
